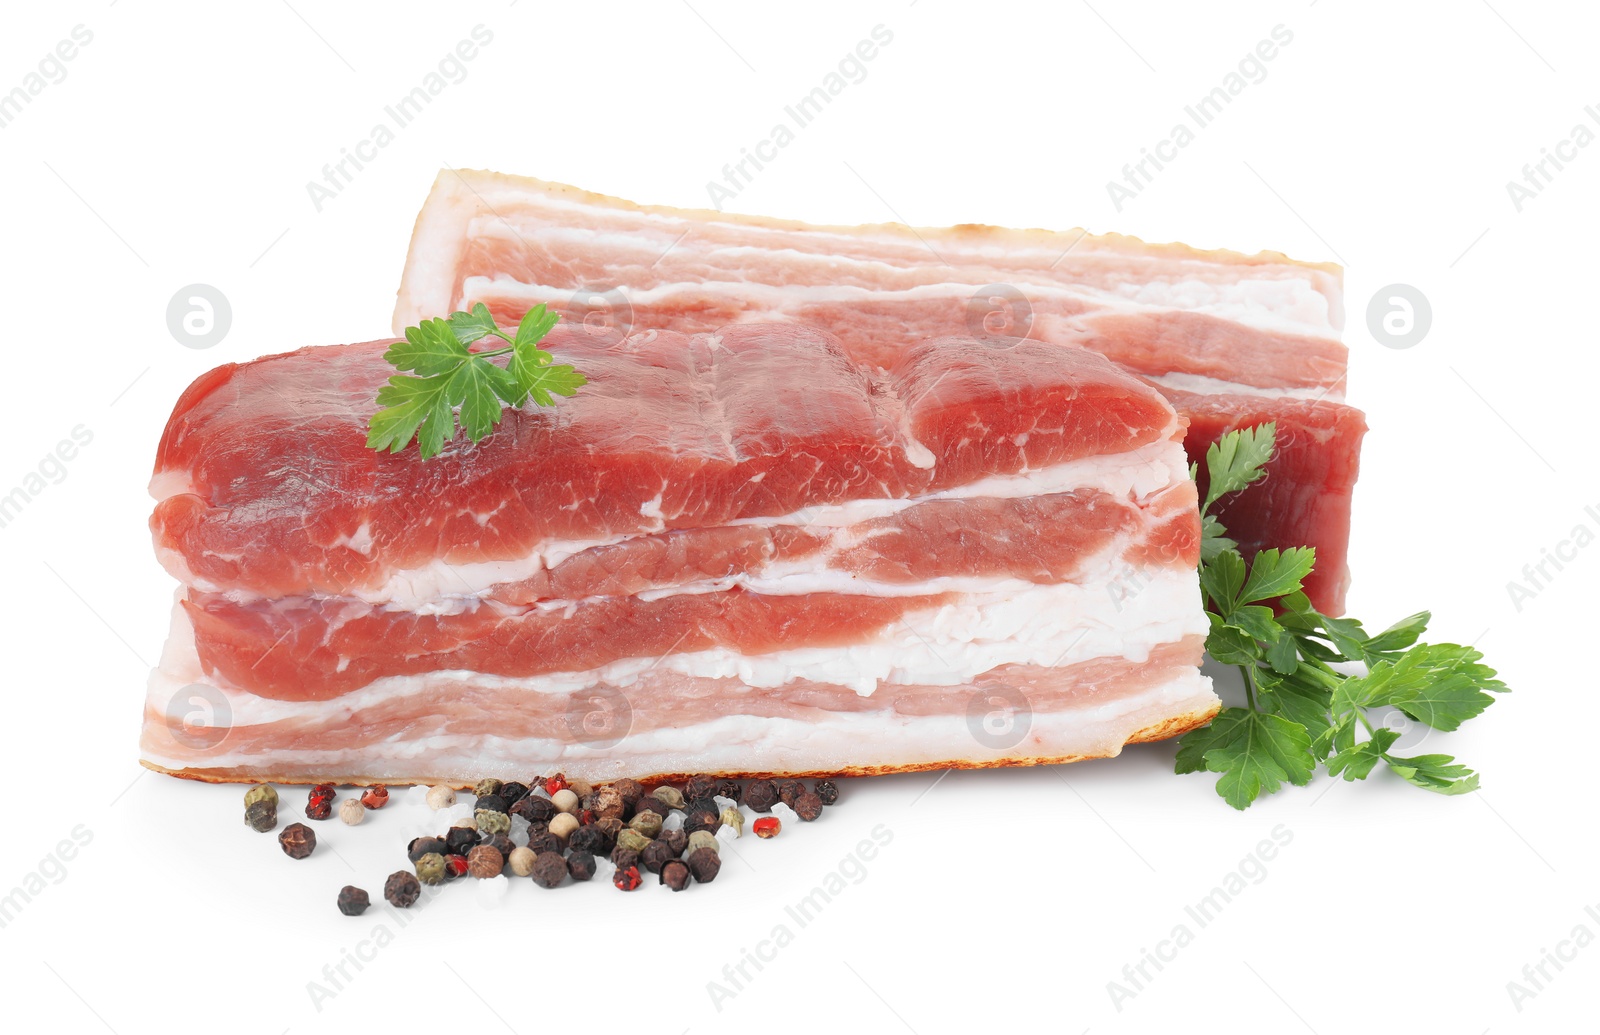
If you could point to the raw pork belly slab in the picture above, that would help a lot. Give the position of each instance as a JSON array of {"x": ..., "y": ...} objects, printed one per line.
[
  {"x": 740, "y": 552},
  {"x": 1231, "y": 339}
]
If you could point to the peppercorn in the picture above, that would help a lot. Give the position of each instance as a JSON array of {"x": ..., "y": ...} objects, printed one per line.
[
  {"x": 669, "y": 796},
  {"x": 534, "y": 809},
  {"x": 563, "y": 825},
  {"x": 466, "y": 823},
  {"x": 622, "y": 857},
  {"x": 705, "y": 864},
  {"x": 501, "y": 843},
  {"x": 627, "y": 879},
  {"x": 700, "y": 839},
  {"x": 646, "y": 823},
  {"x": 491, "y": 822},
  {"x": 261, "y": 792},
  {"x": 606, "y": 803},
  {"x": 789, "y": 790},
  {"x": 703, "y": 815},
  {"x": 261, "y": 816},
  {"x": 761, "y": 795},
  {"x": 421, "y": 846},
  {"x": 729, "y": 789},
  {"x": 828, "y": 791},
  {"x": 352, "y": 811},
  {"x": 611, "y": 825},
  {"x": 555, "y": 783},
  {"x": 808, "y": 806},
  {"x": 580, "y": 866},
  {"x": 677, "y": 840},
  {"x": 485, "y": 861},
  {"x": 767, "y": 826},
  {"x": 521, "y": 860},
  {"x": 631, "y": 838},
  {"x": 649, "y": 803},
  {"x": 675, "y": 875},
  {"x": 324, "y": 790},
  {"x": 733, "y": 819},
  {"x": 544, "y": 841},
  {"x": 297, "y": 840},
  {"x": 548, "y": 869},
  {"x": 631, "y": 791},
  {"x": 513, "y": 792},
  {"x": 441, "y": 797},
  {"x": 581, "y": 788},
  {"x": 700, "y": 787},
  {"x": 401, "y": 889},
  {"x": 655, "y": 855},
  {"x": 490, "y": 803},
  {"x": 565, "y": 800},
  {"x": 487, "y": 786},
  {"x": 459, "y": 839},
  {"x": 431, "y": 868},
  {"x": 353, "y": 901},
  {"x": 455, "y": 866},
  {"x": 590, "y": 839},
  {"x": 319, "y": 808}
]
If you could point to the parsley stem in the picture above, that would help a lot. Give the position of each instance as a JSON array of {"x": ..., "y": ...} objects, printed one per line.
[{"x": 1249, "y": 684}]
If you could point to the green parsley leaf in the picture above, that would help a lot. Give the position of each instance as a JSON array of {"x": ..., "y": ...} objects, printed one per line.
[
  {"x": 1274, "y": 573},
  {"x": 469, "y": 327},
  {"x": 1237, "y": 460},
  {"x": 1438, "y": 773},
  {"x": 1255, "y": 753}
]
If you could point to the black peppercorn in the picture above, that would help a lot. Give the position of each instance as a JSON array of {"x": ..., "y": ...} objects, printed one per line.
[
  {"x": 675, "y": 875},
  {"x": 543, "y": 841},
  {"x": 502, "y": 844},
  {"x": 580, "y": 865},
  {"x": 789, "y": 790},
  {"x": 534, "y": 809},
  {"x": 261, "y": 816},
  {"x": 729, "y": 789},
  {"x": 491, "y": 803},
  {"x": 548, "y": 869},
  {"x": 700, "y": 787},
  {"x": 702, "y": 815},
  {"x": 705, "y": 864},
  {"x": 402, "y": 889},
  {"x": 591, "y": 839},
  {"x": 808, "y": 806},
  {"x": 513, "y": 792},
  {"x": 425, "y": 846},
  {"x": 828, "y": 791},
  {"x": 650, "y": 803},
  {"x": 656, "y": 854},
  {"x": 677, "y": 840},
  {"x": 297, "y": 840},
  {"x": 761, "y": 795},
  {"x": 353, "y": 901},
  {"x": 460, "y": 839},
  {"x": 631, "y": 791},
  {"x": 611, "y": 825},
  {"x": 623, "y": 857}
]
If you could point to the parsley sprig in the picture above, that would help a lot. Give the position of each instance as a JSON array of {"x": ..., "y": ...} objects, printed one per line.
[
  {"x": 1301, "y": 711},
  {"x": 451, "y": 378}
]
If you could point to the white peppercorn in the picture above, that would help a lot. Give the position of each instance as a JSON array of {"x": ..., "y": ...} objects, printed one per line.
[
  {"x": 352, "y": 811},
  {"x": 565, "y": 800},
  {"x": 521, "y": 861},
  {"x": 441, "y": 797},
  {"x": 563, "y": 825}
]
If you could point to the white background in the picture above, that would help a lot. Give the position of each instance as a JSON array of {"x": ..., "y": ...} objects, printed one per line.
[{"x": 177, "y": 150}]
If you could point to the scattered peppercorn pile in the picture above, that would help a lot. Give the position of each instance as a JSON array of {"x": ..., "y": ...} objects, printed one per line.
[{"x": 672, "y": 832}]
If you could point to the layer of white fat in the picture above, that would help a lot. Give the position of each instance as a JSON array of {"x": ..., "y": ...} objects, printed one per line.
[
  {"x": 1277, "y": 304},
  {"x": 826, "y": 742},
  {"x": 441, "y": 587},
  {"x": 1201, "y": 385},
  {"x": 1117, "y": 613}
]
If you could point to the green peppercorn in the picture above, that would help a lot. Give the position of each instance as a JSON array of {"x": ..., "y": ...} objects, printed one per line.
[
  {"x": 646, "y": 823},
  {"x": 702, "y": 839},
  {"x": 671, "y": 797},
  {"x": 261, "y": 816},
  {"x": 632, "y": 840},
  {"x": 486, "y": 787},
  {"x": 430, "y": 868},
  {"x": 261, "y": 792},
  {"x": 492, "y": 822},
  {"x": 733, "y": 819}
]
